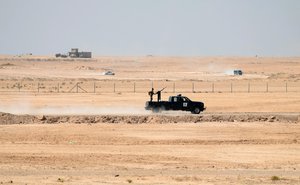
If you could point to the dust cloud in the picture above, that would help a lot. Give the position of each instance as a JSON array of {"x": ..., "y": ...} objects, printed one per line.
[
  {"x": 27, "y": 108},
  {"x": 229, "y": 72}
]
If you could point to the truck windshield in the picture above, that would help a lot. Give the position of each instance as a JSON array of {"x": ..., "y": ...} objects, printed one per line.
[
  {"x": 173, "y": 99},
  {"x": 185, "y": 99},
  {"x": 178, "y": 99}
]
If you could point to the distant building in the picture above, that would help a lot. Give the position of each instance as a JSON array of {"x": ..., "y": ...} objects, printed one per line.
[
  {"x": 74, "y": 53},
  {"x": 85, "y": 54}
]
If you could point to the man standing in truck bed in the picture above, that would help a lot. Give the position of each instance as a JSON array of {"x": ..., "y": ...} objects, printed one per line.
[
  {"x": 159, "y": 94},
  {"x": 151, "y": 93}
]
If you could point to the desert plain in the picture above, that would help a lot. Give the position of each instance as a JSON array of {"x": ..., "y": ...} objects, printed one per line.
[{"x": 63, "y": 121}]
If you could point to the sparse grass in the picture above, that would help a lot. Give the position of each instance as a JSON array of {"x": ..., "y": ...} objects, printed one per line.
[
  {"x": 129, "y": 180},
  {"x": 186, "y": 178},
  {"x": 275, "y": 178},
  {"x": 60, "y": 180}
]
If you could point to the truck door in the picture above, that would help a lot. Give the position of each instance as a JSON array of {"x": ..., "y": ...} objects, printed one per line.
[
  {"x": 184, "y": 104},
  {"x": 181, "y": 104},
  {"x": 175, "y": 104}
]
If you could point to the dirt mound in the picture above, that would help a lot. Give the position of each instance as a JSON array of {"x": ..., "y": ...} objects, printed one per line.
[
  {"x": 7, "y": 64},
  {"x": 6, "y": 118}
]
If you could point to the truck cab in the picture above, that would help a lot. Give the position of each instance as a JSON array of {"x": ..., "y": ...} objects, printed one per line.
[{"x": 180, "y": 102}]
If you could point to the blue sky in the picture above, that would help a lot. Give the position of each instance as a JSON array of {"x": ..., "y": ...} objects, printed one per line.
[{"x": 156, "y": 27}]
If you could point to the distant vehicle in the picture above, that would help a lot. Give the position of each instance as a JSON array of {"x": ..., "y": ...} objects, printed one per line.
[
  {"x": 237, "y": 72},
  {"x": 109, "y": 73},
  {"x": 176, "y": 103}
]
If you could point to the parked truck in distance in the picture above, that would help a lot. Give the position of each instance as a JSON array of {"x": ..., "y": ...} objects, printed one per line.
[
  {"x": 176, "y": 103},
  {"x": 237, "y": 72}
]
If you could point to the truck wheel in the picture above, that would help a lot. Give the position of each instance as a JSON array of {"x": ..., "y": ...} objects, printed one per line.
[
  {"x": 156, "y": 110},
  {"x": 196, "y": 110}
]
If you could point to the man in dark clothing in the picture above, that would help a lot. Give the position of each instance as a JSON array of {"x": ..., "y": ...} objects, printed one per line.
[
  {"x": 151, "y": 93},
  {"x": 159, "y": 94}
]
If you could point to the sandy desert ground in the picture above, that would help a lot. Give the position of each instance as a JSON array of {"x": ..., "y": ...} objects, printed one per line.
[
  {"x": 249, "y": 134},
  {"x": 185, "y": 153}
]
